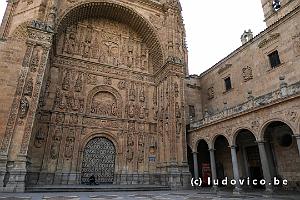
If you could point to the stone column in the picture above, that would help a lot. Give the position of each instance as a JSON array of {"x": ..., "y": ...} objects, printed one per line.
[
  {"x": 265, "y": 165},
  {"x": 235, "y": 168},
  {"x": 196, "y": 167},
  {"x": 298, "y": 142},
  {"x": 213, "y": 166}
]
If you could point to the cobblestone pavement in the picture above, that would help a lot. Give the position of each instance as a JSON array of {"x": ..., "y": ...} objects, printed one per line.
[{"x": 162, "y": 195}]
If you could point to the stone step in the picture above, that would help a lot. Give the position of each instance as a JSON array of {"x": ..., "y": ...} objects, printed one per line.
[{"x": 96, "y": 188}]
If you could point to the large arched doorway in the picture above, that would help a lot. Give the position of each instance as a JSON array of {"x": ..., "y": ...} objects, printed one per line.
[
  {"x": 282, "y": 152},
  {"x": 98, "y": 160},
  {"x": 248, "y": 156},
  {"x": 223, "y": 158},
  {"x": 203, "y": 161}
]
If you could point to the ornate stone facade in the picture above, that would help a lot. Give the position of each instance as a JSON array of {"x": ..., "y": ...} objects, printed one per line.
[
  {"x": 99, "y": 88},
  {"x": 96, "y": 76}
]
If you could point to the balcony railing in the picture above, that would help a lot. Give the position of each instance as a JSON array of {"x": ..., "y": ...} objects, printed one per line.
[{"x": 252, "y": 103}]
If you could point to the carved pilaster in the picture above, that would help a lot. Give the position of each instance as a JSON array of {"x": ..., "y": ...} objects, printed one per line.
[{"x": 26, "y": 99}]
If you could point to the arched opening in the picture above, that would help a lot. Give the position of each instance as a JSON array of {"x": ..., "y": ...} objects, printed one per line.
[
  {"x": 203, "y": 161},
  {"x": 100, "y": 32},
  {"x": 98, "y": 161},
  {"x": 282, "y": 152},
  {"x": 223, "y": 158},
  {"x": 248, "y": 156}
]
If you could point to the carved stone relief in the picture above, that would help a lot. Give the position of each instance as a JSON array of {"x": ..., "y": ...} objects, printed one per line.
[
  {"x": 28, "y": 87},
  {"x": 69, "y": 146},
  {"x": 176, "y": 89},
  {"x": 122, "y": 85},
  {"x": 79, "y": 82},
  {"x": 142, "y": 94},
  {"x": 56, "y": 139},
  {"x": 106, "y": 42},
  {"x": 24, "y": 106},
  {"x": 66, "y": 81},
  {"x": 177, "y": 110},
  {"x": 107, "y": 81},
  {"x": 211, "y": 93},
  {"x": 292, "y": 116},
  {"x": 132, "y": 92},
  {"x": 36, "y": 59},
  {"x": 178, "y": 126},
  {"x": 104, "y": 104},
  {"x": 247, "y": 73},
  {"x": 39, "y": 138},
  {"x": 130, "y": 147},
  {"x": 296, "y": 44},
  {"x": 141, "y": 150},
  {"x": 255, "y": 125}
]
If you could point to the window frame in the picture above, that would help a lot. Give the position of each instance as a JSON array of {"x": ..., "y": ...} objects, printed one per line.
[
  {"x": 274, "y": 61},
  {"x": 225, "y": 84}
]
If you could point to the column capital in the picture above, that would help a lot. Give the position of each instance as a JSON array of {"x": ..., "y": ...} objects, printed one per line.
[
  {"x": 260, "y": 142},
  {"x": 297, "y": 136},
  {"x": 211, "y": 149},
  {"x": 232, "y": 146},
  {"x": 195, "y": 152}
]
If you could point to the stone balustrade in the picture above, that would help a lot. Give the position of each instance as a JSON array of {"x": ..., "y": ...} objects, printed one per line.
[{"x": 285, "y": 92}]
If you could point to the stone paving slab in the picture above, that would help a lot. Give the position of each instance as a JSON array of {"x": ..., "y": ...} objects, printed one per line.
[
  {"x": 61, "y": 198},
  {"x": 153, "y": 195}
]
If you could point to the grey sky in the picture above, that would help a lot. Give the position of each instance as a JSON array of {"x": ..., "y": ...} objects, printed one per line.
[{"x": 213, "y": 28}]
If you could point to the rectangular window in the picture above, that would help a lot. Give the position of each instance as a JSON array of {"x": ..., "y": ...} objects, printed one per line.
[
  {"x": 192, "y": 111},
  {"x": 274, "y": 59},
  {"x": 228, "y": 85}
]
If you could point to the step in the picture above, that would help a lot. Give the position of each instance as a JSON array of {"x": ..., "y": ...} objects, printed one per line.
[{"x": 95, "y": 188}]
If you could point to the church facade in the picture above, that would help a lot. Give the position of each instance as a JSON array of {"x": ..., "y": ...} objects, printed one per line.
[
  {"x": 99, "y": 89},
  {"x": 93, "y": 89}
]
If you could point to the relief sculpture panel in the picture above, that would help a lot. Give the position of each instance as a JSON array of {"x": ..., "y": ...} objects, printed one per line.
[{"x": 106, "y": 42}]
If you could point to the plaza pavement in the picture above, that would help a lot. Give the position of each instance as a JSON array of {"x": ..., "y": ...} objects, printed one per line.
[{"x": 152, "y": 195}]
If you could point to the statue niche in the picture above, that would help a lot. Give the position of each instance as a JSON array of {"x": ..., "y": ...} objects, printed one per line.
[{"x": 105, "y": 104}]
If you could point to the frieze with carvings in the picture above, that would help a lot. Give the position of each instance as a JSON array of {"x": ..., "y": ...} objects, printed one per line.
[
  {"x": 106, "y": 42},
  {"x": 101, "y": 123},
  {"x": 101, "y": 70}
]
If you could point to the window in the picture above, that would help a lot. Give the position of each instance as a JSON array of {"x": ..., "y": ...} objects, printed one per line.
[
  {"x": 192, "y": 112},
  {"x": 274, "y": 59},
  {"x": 228, "y": 85},
  {"x": 276, "y": 5}
]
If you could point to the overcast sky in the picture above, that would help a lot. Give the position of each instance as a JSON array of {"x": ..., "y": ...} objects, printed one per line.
[{"x": 213, "y": 28}]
